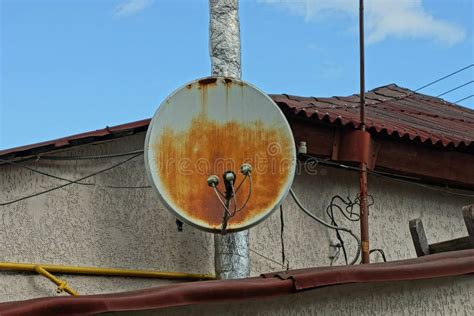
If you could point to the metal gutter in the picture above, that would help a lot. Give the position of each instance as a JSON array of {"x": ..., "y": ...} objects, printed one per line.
[{"x": 268, "y": 285}]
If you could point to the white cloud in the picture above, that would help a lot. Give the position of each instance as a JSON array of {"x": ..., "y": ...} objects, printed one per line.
[
  {"x": 130, "y": 7},
  {"x": 384, "y": 18}
]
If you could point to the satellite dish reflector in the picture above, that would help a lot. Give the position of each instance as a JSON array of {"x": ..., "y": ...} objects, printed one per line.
[{"x": 220, "y": 154}]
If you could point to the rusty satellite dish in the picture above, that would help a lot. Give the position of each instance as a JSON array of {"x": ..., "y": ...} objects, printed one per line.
[{"x": 220, "y": 154}]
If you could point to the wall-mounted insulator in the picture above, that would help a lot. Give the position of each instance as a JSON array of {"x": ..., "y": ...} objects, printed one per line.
[{"x": 302, "y": 148}]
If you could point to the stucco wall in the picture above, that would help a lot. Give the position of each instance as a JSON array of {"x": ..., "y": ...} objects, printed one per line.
[
  {"x": 93, "y": 225},
  {"x": 444, "y": 296}
]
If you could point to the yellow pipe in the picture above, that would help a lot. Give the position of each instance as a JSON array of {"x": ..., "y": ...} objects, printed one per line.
[
  {"x": 12, "y": 266},
  {"x": 62, "y": 285}
]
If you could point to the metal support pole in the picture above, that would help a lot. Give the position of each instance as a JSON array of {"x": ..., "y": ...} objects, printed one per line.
[
  {"x": 231, "y": 257},
  {"x": 364, "y": 209}
]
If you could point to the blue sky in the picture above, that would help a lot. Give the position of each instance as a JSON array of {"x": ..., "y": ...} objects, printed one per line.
[{"x": 70, "y": 66}]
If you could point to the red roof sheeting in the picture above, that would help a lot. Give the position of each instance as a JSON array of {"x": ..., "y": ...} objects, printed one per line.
[
  {"x": 392, "y": 110},
  {"x": 83, "y": 138},
  {"x": 271, "y": 284}
]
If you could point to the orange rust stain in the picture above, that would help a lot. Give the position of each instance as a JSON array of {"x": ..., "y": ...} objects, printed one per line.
[
  {"x": 186, "y": 159},
  {"x": 227, "y": 81},
  {"x": 207, "y": 81}
]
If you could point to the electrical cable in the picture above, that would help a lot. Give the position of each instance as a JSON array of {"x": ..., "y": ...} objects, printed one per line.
[
  {"x": 454, "y": 89},
  {"x": 349, "y": 207},
  {"x": 468, "y": 97},
  {"x": 391, "y": 176},
  {"x": 419, "y": 184},
  {"x": 69, "y": 183},
  {"x": 380, "y": 251},
  {"x": 248, "y": 196},
  {"x": 408, "y": 94},
  {"x": 322, "y": 222},
  {"x": 124, "y": 186},
  {"x": 240, "y": 184},
  {"x": 336, "y": 255},
  {"x": 233, "y": 197},
  {"x": 442, "y": 78},
  {"x": 13, "y": 163},
  {"x": 3, "y": 161},
  {"x": 92, "y": 157},
  {"x": 222, "y": 202},
  {"x": 269, "y": 259},
  {"x": 430, "y": 84}
]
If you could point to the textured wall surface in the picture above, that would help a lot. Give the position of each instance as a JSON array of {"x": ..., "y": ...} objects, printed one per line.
[
  {"x": 94, "y": 225},
  {"x": 444, "y": 296}
]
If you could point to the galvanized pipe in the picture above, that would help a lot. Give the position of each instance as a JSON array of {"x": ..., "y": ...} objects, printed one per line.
[
  {"x": 231, "y": 251},
  {"x": 364, "y": 210},
  {"x": 224, "y": 38}
]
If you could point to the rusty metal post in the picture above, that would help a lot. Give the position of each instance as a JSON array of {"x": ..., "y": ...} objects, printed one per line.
[
  {"x": 364, "y": 209},
  {"x": 231, "y": 257}
]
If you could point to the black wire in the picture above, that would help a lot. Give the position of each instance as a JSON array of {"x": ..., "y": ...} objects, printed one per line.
[
  {"x": 339, "y": 237},
  {"x": 126, "y": 187},
  {"x": 3, "y": 161},
  {"x": 92, "y": 157},
  {"x": 410, "y": 93},
  {"x": 454, "y": 89},
  {"x": 468, "y": 97},
  {"x": 69, "y": 183},
  {"x": 349, "y": 207},
  {"x": 442, "y": 78},
  {"x": 349, "y": 214},
  {"x": 388, "y": 175},
  {"x": 13, "y": 163},
  {"x": 429, "y": 84},
  {"x": 265, "y": 257},
  {"x": 380, "y": 251}
]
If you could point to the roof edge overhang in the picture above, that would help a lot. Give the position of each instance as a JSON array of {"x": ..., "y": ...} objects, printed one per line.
[
  {"x": 400, "y": 157},
  {"x": 431, "y": 163}
]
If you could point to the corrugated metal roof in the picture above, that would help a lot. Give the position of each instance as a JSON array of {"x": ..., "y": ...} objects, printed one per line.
[
  {"x": 392, "y": 110},
  {"x": 78, "y": 139},
  {"x": 271, "y": 284}
]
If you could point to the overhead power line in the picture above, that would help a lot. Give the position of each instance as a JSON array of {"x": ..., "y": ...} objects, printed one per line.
[
  {"x": 429, "y": 84},
  {"x": 458, "y": 87},
  {"x": 470, "y": 96},
  {"x": 442, "y": 78},
  {"x": 409, "y": 94}
]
